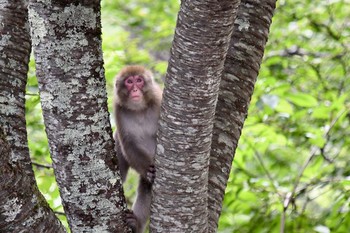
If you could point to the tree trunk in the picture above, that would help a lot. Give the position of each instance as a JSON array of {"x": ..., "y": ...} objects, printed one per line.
[
  {"x": 22, "y": 207},
  {"x": 67, "y": 46},
  {"x": 191, "y": 87},
  {"x": 14, "y": 58},
  {"x": 241, "y": 70}
]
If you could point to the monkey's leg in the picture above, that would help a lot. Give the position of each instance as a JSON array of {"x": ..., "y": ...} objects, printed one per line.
[{"x": 141, "y": 207}]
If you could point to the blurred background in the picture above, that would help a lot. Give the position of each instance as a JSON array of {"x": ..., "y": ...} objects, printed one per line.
[{"x": 292, "y": 163}]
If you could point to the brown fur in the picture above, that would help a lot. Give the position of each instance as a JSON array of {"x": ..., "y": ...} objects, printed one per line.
[{"x": 137, "y": 125}]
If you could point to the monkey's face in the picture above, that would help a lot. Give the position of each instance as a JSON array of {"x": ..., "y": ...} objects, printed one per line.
[
  {"x": 134, "y": 88},
  {"x": 134, "y": 85}
]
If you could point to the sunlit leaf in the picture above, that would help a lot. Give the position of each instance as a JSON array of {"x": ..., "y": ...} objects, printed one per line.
[
  {"x": 322, "y": 229},
  {"x": 284, "y": 107},
  {"x": 302, "y": 99},
  {"x": 321, "y": 112}
]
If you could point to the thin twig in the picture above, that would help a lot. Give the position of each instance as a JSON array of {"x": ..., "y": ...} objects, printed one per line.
[
  {"x": 42, "y": 165},
  {"x": 32, "y": 94},
  {"x": 290, "y": 196},
  {"x": 60, "y": 213},
  {"x": 257, "y": 154}
]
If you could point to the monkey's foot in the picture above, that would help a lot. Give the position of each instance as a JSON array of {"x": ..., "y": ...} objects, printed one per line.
[
  {"x": 131, "y": 220},
  {"x": 151, "y": 174}
]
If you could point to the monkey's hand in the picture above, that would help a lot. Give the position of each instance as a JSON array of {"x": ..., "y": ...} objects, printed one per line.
[{"x": 151, "y": 174}]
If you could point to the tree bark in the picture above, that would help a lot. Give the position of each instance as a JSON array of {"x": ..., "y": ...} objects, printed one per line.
[
  {"x": 67, "y": 47},
  {"x": 23, "y": 208},
  {"x": 242, "y": 66},
  {"x": 191, "y": 87},
  {"x": 14, "y": 57}
]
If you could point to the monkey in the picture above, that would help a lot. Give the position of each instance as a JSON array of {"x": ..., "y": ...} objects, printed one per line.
[{"x": 137, "y": 100}]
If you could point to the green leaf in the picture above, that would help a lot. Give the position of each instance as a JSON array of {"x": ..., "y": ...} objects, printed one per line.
[
  {"x": 302, "y": 100},
  {"x": 321, "y": 112},
  {"x": 284, "y": 107}
]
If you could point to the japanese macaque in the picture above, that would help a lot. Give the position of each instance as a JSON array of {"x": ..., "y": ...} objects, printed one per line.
[{"x": 137, "y": 100}]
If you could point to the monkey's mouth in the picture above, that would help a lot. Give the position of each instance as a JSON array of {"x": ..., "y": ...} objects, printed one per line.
[{"x": 136, "y": 97}]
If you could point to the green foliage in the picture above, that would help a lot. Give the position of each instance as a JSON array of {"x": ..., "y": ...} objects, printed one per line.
[
  {"x": 137, "y": 32},
  {"x": 292, "y": 159},
  {"x": 295, "y": 144}
]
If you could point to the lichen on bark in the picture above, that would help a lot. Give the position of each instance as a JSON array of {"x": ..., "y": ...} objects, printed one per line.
[{"x": 67, "y": 48}]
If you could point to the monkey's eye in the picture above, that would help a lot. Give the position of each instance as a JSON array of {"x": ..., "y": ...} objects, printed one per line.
[
  {"x": 139, "y": 80},
  {"x": 129, "y": 81}
]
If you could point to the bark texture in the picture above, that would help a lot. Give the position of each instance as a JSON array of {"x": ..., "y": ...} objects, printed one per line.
[
  {"x": 242, "y": 66},
  {"x": 22, "y": 207},
  {"x": 66, "y": 38},
  {"x": 14, "y": 58},
  {"x": 191, "y": 87}
]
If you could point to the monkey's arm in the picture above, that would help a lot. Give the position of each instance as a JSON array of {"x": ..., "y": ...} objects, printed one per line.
[
  {"x": 140, "y": 158},
  {"x": 123, "y": 165}
]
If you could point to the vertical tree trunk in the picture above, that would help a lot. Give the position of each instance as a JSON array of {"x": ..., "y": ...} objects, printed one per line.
[
  {"x": 67, "y": 47},
  {"x": 22, "y": 207},
  {"x": 191, "y": 87},
  {"x": 237, "y": 84},
  {"x": 14, "y": 57}
]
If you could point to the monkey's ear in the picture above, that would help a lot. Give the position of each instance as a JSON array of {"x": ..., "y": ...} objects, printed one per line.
[{"x": 148, "y": 76}]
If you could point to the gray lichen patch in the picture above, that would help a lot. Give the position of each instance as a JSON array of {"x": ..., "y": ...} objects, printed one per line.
[
  {"x": 38, "y": 25},
  {"x": 12, "y": 207},
  {"x": 75, "y": 16}
]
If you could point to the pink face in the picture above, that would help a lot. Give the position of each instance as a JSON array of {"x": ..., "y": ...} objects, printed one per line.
[{"x": 134, "y": 84}]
